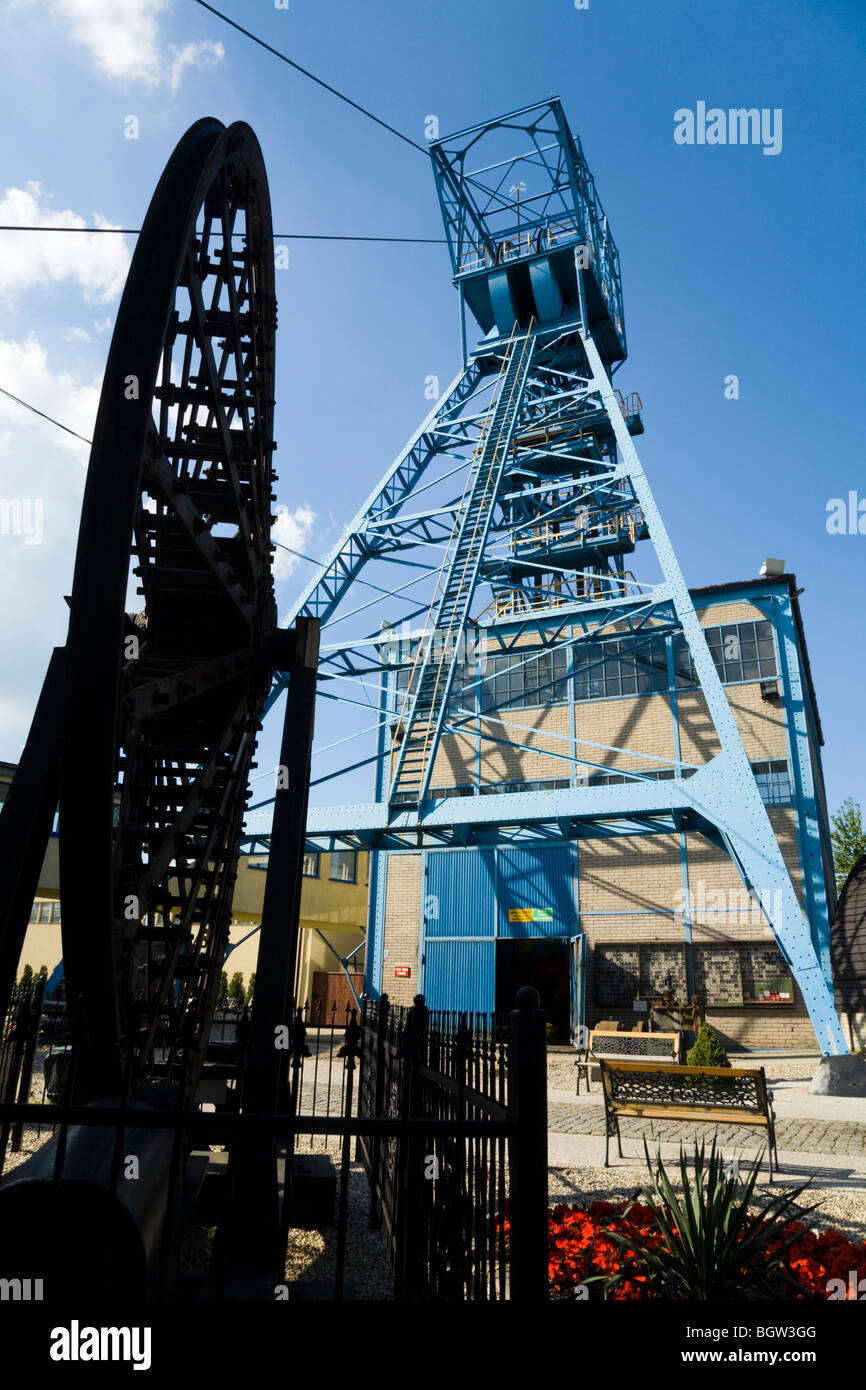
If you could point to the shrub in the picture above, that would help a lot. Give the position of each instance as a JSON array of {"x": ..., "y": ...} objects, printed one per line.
[
  {"x": 237, "y": 993},
  {"x": 251, "y": 988},
  {"x": 707, "y": 1051},
  {"x": 26, "y": 976},
  {"x": 223, "y": 991}
]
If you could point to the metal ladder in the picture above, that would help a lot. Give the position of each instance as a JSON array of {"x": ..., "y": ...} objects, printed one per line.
[{"x": 430, "y": 680}]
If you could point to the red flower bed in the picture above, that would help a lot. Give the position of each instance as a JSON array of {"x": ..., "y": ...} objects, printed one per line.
[{"x": 581, "y": 1249}]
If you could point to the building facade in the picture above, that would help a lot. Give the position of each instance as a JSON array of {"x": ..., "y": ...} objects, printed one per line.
[{"x": 598, "y": 924}]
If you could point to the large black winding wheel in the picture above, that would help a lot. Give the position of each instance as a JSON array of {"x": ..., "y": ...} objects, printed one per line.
[
  {"x": 165, "y": 687},
  {"x": 153, "y": 707}
]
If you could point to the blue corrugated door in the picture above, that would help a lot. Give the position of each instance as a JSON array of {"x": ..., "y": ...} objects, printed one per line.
[
  {"x": 535, "y": 892},
  {"x": 459, "y": 915}
]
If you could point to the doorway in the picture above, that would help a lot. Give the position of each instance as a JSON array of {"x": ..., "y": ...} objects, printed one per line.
[{"x": 543, "y": 963}]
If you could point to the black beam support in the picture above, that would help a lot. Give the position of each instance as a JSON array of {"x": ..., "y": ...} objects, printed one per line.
[
  {"x": 528, "y": 1098},
  {"x": 278, "y": 938},
  {"x": 25, "y": 822}
]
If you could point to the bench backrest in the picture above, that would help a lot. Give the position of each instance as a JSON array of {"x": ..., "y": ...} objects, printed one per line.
[
  {"x": 705, "y": 1088},
  {"x": 635, "y": 1045}
]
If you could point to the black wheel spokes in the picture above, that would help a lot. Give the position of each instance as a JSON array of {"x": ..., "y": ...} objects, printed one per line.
[{"x": 192, "y": 684}]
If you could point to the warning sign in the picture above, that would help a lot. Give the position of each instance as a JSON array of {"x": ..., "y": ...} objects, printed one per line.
[{"x": 530, "y": 914}]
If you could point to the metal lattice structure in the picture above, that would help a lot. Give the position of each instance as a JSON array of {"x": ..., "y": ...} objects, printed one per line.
[
  {"x": 147, "y": 723},
  {"x": 508, "y": 523}
]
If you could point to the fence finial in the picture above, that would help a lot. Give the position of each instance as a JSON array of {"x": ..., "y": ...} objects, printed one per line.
[{"x": 527, "y": 998}]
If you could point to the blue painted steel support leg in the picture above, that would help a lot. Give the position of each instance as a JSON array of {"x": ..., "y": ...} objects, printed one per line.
[
  {"x": 809, "y": 833},
  {"x": 724, "y": 790}
]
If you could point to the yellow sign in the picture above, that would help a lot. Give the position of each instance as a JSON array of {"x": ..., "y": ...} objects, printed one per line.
[{"x": 520, "y": 914}]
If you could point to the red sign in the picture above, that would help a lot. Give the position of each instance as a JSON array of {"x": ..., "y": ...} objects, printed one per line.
[{"x": 402, "y": 972}]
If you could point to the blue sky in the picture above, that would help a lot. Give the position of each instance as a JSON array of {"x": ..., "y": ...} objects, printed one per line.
[{"x": 733, "y": 263}]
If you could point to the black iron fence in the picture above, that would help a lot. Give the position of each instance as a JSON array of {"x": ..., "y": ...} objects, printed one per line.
[
  {"x": 20, "y": 1030},
  {"x": 441, "y": 1199},
  {"x": 445, "y": 1114}
]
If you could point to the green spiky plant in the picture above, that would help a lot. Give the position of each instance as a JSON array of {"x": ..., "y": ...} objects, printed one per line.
[
  {"x": 715, "y": 1248},
  {"x": 708, "y": 1050}
]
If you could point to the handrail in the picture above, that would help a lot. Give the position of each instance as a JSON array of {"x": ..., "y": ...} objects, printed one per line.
[
  {"x": 492, "y": 404},
  {"x": 526, "y": 347}
]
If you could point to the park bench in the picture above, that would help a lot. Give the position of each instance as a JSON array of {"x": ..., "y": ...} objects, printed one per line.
[
  {"x": 717, "y": 1095},
  {"x": 624, "y": 1047}
]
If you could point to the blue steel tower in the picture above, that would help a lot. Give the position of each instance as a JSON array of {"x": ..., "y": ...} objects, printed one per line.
[{"x": 515, "y": 518}]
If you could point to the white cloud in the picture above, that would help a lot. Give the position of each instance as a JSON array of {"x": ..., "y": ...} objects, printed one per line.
[
  {"x": 98, "y": 263},
  {"x": 40, "y": 466},
  {"x": 206, "y": 54},
  {"x": 125, "y": 41},
  {"x": 291, "y": 528}
]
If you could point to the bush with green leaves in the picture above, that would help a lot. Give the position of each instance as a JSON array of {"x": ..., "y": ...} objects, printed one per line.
[
  {"x": 237, "y": 993},
  {"x": 707, "y": 1051},
  {"x": 708, "y": 1245},
  {"x": 251, "y": 987},
  {"x": 26, "y": 976},
  {"x": 223, "y": 991}
]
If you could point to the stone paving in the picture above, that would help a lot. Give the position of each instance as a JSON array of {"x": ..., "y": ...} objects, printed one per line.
[{"x": 843, "y": 1137}]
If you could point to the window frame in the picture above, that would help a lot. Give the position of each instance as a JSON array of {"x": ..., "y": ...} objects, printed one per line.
[{"x": 338, "y": 878}]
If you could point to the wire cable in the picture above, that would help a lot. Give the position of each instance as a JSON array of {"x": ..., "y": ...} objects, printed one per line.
[
  {"x": 278, "y": 236},
  {"x": 313, "y": 78},
  {"x": 41, "y": 413}
]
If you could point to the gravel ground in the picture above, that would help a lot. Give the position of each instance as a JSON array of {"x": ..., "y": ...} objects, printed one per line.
[
  {"x": 312, "y": 1255},
  {"x": 845, "y": 1210}
]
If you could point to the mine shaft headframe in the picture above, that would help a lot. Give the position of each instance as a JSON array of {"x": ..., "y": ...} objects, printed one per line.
[
  {"x": 162, "y": 704},
  {"x": 526, "y": 230}
]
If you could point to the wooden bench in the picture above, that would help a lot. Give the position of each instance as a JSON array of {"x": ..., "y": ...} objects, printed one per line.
[
  {"x": 625, "y": 1047},
  {"x": 718, "y": 1095}
]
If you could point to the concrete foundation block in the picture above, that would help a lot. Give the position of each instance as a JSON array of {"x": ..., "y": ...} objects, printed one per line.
[{"x": 840, "y": 1076}]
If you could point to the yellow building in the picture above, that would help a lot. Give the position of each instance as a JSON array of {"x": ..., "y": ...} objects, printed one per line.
[{"x": 333, "y": 914}]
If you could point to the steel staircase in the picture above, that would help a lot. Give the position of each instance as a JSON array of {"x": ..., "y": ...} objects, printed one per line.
[{"x": 422, "y": 715}]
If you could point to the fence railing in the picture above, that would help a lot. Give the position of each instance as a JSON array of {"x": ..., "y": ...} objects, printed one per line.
[
  {"x": 462, "y": 1207},
  {"x": 18, "y": 1040},
  {"x": 445, "y": 1113}
]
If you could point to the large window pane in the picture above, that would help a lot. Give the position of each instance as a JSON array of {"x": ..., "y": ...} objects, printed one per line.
[{"x": 343, "y": 865}]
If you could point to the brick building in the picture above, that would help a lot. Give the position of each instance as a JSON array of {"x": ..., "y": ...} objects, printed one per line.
[{"x": 597, "y": 923}]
